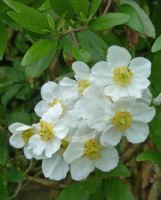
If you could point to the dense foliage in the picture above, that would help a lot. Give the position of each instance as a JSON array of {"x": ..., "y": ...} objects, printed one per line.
[{"x": 39, "y": 40}]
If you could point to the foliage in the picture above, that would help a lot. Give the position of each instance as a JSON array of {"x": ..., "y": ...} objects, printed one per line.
[{"x": 38, "y": 42}]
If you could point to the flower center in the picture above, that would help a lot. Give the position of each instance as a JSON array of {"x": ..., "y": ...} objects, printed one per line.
[
  {"x": 82, "y": 85},
  {"x": 122, "y": 75},
  {"x": 92, "y": 149},
  {"x": 26, "y": 135},
  {"x": 57, "y": 100},
  {"x": 46, "y": 131},
  {"x": 122, "y": 120}
]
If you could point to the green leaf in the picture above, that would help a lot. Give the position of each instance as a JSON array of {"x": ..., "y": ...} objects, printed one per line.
[
  {"x": 80, "y": 191},
  {"x": 155, "y": 129},
  {"x": 148, "y": 26},
  {"x": 4, "y": 148},
  {"x": 115, "y": 190},
  {"x": 3, "y": 187},
  {"x": 135, "y": 21},
  {"x": 81, "y": 54},
  {"x": 95, "y": 4},
  {"x": 28, "y": 17},
  {"x": 109, "y": 20},
  {"x": 38, "y": 51},
  {"x": 19, "y": 116},
  {"x": 10, "y": 93},
  {"x": 36, "y": 69},
  {"x": 80, "y": 6},
  {"x": 14, "y": 175},
  {"x": 120, "y": 170},
  {"x": 157, "y": 45},
  {"x": 62, "y": 7},
  {"x": 153, "y": 156},
  {"x": 93, "y": 44},
  {"x": 3, "y": 39}
]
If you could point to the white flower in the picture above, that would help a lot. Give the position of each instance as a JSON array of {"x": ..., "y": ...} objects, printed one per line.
[
  {"x": 75, "y": 88},
  {"x": 21, "y": 134},
  {"x": 87, "y": 153},
  {"x": 125, "y": 117},
  {"x": 51, "y": 96},
  {"x": 122, "y": 76},
  {"x": 50, "y": 132}
]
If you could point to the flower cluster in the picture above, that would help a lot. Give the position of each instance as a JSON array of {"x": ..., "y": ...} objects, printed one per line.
[{"x": 83, "y": 119}]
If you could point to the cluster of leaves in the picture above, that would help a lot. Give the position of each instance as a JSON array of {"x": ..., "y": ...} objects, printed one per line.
[{"x": 38, "y": 42}]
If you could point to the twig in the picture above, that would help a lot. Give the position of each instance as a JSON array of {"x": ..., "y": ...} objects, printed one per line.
[
  {"x": 107, "y": 7},
  {"x": 74, "y": 37}
]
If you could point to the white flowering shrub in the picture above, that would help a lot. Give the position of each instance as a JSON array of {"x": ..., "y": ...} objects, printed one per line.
[{"x": 80, "y": 88}]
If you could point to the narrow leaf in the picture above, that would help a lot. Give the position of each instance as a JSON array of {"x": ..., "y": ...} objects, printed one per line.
[
  {"x": 157, "y": 45},
  {"x": 3, "y": 39},
  {"x": 151, "y": 155}
]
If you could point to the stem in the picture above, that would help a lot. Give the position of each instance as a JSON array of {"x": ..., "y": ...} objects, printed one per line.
[{"x": 107, "y": 7}]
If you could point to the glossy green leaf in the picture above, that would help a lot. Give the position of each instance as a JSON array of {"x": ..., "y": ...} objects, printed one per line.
[
  {"x": 120, "y": 170},
  {"x": 135, "y": 22},
  {"x": 14, "y": 175},
  {"x": 148, "y": 26},
  {"x": 157, "y": 45},
  {"x": 109, "y": 20},
  {"x": 62, "y": 7},
  {"x": 95, "y": 4},
  {"x": 80, "y": 190},
  {"x": 81, "y": 54},
  {"x": 80, "y": 6},
  {"x": 150, "y": 155},
  {"x": 28, "y": 17},
  {"x": 4, "y": 148},
  {"x": 3, "y": 187},
  {"x": 38, "y": 51},
  {"x": 114, "y": 189},
  {"x": 3, "y": 39}
]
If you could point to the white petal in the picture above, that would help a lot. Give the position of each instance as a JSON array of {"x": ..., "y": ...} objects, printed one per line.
[
  {"x": 27, "y": 152},
  {"x": 41, "y": 108},
  {"x": 37, "y": 145},
  {"x": 49, "y": 91},
  {"x": 16, "y": 140},
  {"x": 146, "y": 97},
  {"x": 55, "y": 168},
  {"x": 61, "y": 129},
  {"x": 109, "y": 159},
  {"x": 53, "y": 113},
  {"x": 137, "y": 133},
  {"x": 101, "y": 73},
  {"x": 81, "y": 168},
  {"x": 12, "y": 128},
  {"x": 52, "y": 147},
  {"x": 110, "y": 137},
  {"x": 23, "y": 128},
  {"x": 141, "y": 67},
  {"x": 74, "y": 150},
  {"x": 81, "y": 70},
  {"x": 118, "y": 56},
  {"x": 143, "y": 113}
]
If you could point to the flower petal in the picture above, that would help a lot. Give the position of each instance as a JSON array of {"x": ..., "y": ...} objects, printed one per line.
[
  {"x": 61, "y": 129},
  {"x": 141, "y": 67},
  {"x": 118, "y": 56},
  {"x": 137, "y": 133},
  {"x": 109, "y": 159},
  {"x": 55, "y": 168},
  {"x": 74, "y": 150},
  {"x": 41, "y": 108},
  {"x": 110, "y": 137},
  {"x": 49, "y": 91},
  {"x": 16, "y": 141},
  {"x": 81, "y": 70},
  {"x": 81, "y": 168},
  {"x": 12, "y": 128},
  {"x": 52, "y": 147}
]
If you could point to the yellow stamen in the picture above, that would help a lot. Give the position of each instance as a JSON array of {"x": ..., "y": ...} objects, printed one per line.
[
  {"x": 57, "y": 100},
  {"x": 122, "y": 75},
  {"x": 26, "y": 135},
  {"x": 92, "y": 149},
  {"x": 64, "y": 145},
  {"x": 122, "y": 120},
  {"x": 46, "y": 131},
  {"x": 82, "y": 85}
]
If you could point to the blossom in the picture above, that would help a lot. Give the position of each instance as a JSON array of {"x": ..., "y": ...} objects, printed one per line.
[
  {"x": 121, "y": 76},
  {"x": 125, "y": 117},
  {"x": 87, "y": 153},
  {"x": 50, "y": 132}
]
